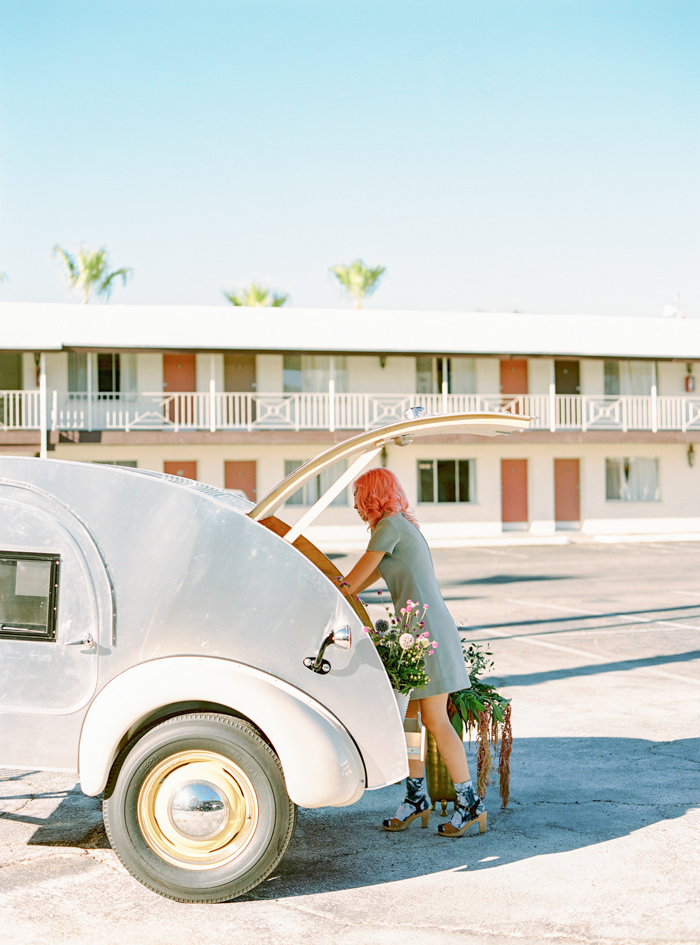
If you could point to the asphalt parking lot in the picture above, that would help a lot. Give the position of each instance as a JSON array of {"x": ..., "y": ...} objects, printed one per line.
[{"x": 599, "y": 646}]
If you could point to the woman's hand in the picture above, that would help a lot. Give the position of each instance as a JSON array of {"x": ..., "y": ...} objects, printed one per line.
[{"x": 363, "y": 574}]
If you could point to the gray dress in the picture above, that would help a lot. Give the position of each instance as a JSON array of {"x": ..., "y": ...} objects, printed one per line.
[{"x": 407, "y": 568}]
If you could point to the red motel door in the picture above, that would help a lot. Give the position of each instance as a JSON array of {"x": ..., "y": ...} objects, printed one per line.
[
  {"x": 179, "y": 373},
  {"x": 241, "y": 475},
  {"x": 566, "y": 490},
  {"x": 514, "y": 377},
  {"x": 514, "y": 490},
  {"x": 186, "y": 468}
]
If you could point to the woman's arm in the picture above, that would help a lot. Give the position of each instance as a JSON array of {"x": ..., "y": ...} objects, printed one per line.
[
  {"x": 372, "y": 579},
  {"x": 363, "y": 574}
]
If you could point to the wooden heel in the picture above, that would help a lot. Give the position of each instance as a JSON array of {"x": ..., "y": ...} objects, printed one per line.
[
  {"x": 425, "y": 816},
  {"x": 482, "y": 822}
]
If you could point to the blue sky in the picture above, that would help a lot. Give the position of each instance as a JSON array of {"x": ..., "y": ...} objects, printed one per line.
[{"x": 492, "y": 154}]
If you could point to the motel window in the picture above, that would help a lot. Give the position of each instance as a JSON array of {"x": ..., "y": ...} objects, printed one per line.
[
  {"x": 632, "y": 480},
  {"x": 311, "y": 491},
  {"x": 109, "y": 374},
  {"x": 459, "y": 374},
  {"x": 446, "y": 480},
  {"x": 130, "y": 463},
  {"x": 310, "y": 373},
  {"x": 628, "y": 378}
]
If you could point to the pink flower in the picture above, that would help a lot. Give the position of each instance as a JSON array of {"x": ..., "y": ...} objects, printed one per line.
[
  {"x": 435, "y": 645},
  {"x": 367, "y": 629}
]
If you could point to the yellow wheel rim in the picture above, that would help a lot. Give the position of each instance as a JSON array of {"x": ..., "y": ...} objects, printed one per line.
[{"x": 197, "y": 810}]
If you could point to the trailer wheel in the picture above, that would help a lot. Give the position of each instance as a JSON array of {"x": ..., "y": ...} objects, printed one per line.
[{"x": 197, "y": 808}]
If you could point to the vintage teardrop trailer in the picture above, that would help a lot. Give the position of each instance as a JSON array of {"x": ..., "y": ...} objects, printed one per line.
[{"x": 208, "y": 678}]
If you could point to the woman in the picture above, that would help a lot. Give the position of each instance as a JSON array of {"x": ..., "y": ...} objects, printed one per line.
[{"x": 398, "y": 553}]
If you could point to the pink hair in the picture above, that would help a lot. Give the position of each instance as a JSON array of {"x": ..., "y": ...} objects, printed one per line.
[{"x": 378, "y": 493}]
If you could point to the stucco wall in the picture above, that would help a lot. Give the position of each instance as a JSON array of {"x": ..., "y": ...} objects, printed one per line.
[{"x": 678, "y": 509}]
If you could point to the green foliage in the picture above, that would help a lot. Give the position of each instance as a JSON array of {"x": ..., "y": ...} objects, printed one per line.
[
  {"x": 256, "y": 296},
  {"x": 469, "y": 702},
  {"x": 358, "y": 279},
  {"x": 90, "y": 271}
]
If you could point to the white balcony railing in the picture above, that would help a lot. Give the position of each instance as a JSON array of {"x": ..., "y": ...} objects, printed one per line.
[{"x": 21, "y": 410}]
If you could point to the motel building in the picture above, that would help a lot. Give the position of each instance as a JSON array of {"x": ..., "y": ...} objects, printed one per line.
[{"x": 238, "y": 398}]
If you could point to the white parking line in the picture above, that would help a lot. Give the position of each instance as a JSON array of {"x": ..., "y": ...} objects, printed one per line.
[{"x": 597, "y": 613}]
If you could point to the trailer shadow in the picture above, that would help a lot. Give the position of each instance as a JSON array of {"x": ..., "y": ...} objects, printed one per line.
[{"x": 566, "y": 794}]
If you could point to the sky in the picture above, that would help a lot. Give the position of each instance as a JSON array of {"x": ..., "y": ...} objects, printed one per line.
[{"x": 493, "y": 155}]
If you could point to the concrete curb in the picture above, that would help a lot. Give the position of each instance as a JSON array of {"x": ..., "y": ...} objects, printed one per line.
[{"x": 348, "y": 547}]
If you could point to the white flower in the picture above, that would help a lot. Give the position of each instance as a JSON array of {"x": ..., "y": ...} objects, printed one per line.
[
  {"x": 426, "y": 643},
  {"x": 406, "y": 641}
]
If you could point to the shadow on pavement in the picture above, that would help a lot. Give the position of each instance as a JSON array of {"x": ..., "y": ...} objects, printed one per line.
[
  {"x": 567, "y": 794},
  {"x": 593, "y": 615},
  {"x": 507, "y": 579},
  {"x": 75, "y": 822},
  {"x": 533, "y": 679}
]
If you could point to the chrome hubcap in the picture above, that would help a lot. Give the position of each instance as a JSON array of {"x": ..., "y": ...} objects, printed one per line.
[{"x": 197, "y": 810}]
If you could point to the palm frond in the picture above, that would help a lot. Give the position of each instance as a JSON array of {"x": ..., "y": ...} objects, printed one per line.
[
  {"x": 255, "y": 296},
  {"x": 90, "y": 271},
  {"x": 358, "y": 279},
  {"x": 72, "y": 274},
  {"x": 105, "y": 287}
]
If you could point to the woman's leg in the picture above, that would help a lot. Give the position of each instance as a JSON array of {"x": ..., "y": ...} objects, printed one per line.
[
  {"x": 416, "y": 803},
  {"x": 449, "y": 744},
  {"x": 416, "y": 767},
  {"x": 469, "y": 807}
]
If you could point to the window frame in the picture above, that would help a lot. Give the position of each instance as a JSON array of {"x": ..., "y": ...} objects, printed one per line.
[
  {"x": 49, "y": 635},
  {"x": 620, "y": 461},
  {"x": 436, "y": 501},
  {"x": 317, "y": 484}
]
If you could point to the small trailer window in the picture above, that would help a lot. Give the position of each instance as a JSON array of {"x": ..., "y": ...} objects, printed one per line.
[{"x": 28, "y": 596}]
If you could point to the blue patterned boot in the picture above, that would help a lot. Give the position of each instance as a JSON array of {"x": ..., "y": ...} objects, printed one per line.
[
  {"x": 470, "y": 808},
  {"x": 415, "y": 804}
]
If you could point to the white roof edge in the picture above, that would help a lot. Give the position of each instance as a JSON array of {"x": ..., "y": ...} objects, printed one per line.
[{"x": 34, "y": 326}]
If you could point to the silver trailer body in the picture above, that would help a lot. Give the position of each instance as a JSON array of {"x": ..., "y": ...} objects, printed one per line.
[{"x": 133, "y": 602}]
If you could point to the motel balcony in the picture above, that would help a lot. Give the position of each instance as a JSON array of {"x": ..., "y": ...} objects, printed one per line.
[{"x": 212, "y": 410}]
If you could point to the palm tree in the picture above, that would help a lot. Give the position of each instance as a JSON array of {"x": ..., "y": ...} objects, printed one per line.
[
  {"x": 90, "y": 271},
  {"x": 256, "y": 296},
  {"x": 358, "y": 280}
]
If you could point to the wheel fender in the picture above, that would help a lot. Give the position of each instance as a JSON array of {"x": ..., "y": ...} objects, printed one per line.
[{"x": 321, "y": 763}]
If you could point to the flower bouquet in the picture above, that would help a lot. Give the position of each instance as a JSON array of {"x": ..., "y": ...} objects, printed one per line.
[{"x": 402, "y": 644}]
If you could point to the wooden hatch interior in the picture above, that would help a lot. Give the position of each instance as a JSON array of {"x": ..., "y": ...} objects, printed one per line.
[{"x": 316, "y": 557}]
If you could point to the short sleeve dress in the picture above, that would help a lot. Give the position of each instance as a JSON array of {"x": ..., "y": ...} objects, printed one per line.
[{"x": 407, "y": 568}]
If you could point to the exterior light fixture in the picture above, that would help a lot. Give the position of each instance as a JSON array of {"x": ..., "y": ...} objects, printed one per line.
[
  {"x": 691, "y": 455},
  {"x": 689, "y": 380}
]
